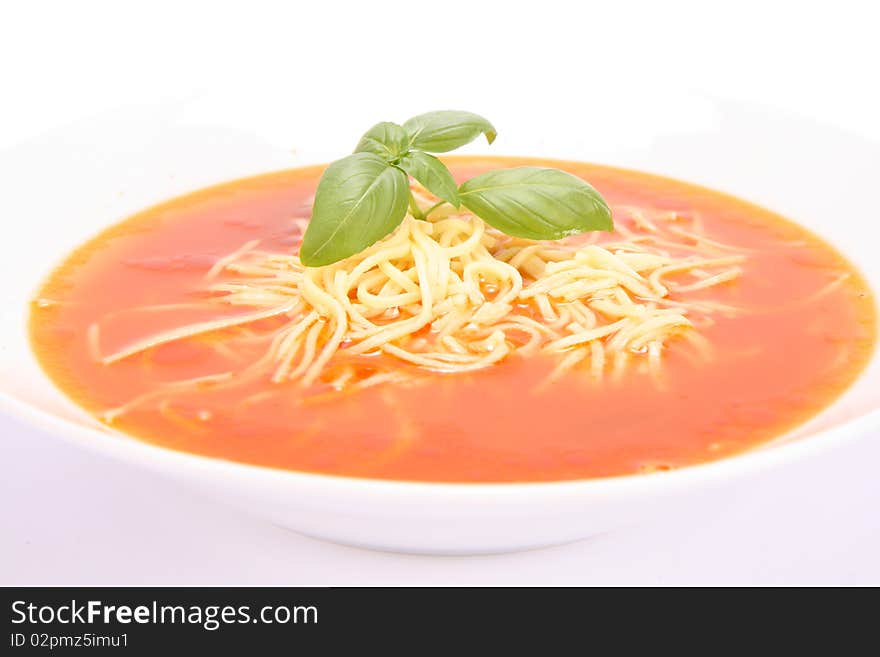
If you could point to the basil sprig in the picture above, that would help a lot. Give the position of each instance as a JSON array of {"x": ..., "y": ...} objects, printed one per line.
[{"x": 363, "y": 197}]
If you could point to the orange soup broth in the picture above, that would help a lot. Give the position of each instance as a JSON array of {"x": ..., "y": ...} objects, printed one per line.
[{"x": 773, "y": 366}]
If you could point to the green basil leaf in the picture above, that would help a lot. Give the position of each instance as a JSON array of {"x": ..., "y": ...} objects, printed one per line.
[
  {"x": 536, "y": 203},
  {"x": 440, "y": 132},
  {"x": 431, "y": 173},
  {"x": 387, "y": 140},
  {"x": 360, "y": 199}
]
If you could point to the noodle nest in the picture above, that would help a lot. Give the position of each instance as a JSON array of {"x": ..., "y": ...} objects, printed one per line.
[{"x": 451, "y": 294}]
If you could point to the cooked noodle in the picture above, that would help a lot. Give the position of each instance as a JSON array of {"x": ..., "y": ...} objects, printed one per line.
[{"x": 452, "y": 294}]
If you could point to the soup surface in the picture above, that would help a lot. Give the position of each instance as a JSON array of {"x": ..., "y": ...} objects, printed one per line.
[{"x": 806, "y": 331}]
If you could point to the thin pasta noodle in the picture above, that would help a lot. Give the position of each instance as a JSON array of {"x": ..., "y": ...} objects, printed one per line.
[{"x": 453, "y": 294}]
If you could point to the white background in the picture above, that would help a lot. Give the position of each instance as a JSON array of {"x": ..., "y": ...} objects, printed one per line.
[{"x": 70, "y": 517}]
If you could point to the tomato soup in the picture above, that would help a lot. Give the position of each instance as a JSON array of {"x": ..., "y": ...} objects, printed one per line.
[{"x": 806, "y": 331}]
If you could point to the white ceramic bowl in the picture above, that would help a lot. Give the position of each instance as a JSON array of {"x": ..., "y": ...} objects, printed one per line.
[{"x": 64, "y": 187}]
